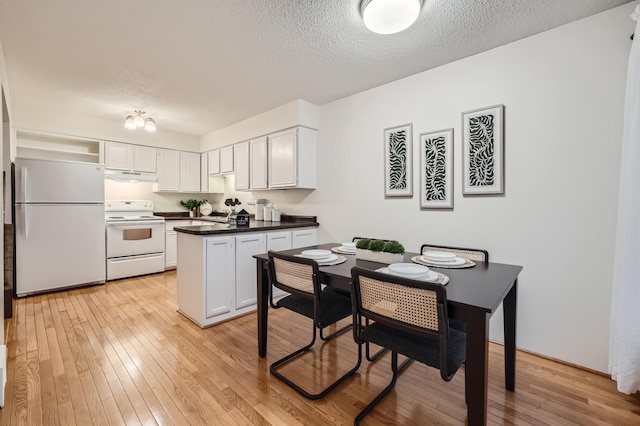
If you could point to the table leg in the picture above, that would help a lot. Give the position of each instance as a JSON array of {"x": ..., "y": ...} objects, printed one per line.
[
  {"x": 509, "y": 307},
  {"x": 262, "y": 282},
  {"x": 477, "y": 366}
]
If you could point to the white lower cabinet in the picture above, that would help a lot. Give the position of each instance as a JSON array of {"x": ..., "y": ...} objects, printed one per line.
[
  {"x": 304, "y": 238},
  {"x": 217, "y": 274},
  {"x": 246, "y": 246},
  {"x": 277, "y": 241},
  {"x": 170, "y": 249}
]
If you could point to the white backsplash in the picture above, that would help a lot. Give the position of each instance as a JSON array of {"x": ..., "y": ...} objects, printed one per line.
[{"x": 163, "y": 201}]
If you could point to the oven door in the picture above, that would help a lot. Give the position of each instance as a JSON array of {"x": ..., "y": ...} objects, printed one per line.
[{"x": 131, "y": 238}]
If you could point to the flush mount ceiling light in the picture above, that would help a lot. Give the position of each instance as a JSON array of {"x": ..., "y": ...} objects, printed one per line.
[
  {"x": 133, "y": 122},
  {"x": 389, "y": 16}
]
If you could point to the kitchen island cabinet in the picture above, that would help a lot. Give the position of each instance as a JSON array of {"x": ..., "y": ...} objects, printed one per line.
[{"x": 216, "y": 268}]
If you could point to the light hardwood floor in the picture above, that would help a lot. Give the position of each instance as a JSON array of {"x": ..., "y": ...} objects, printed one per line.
[{"x": 121, "y": 354}]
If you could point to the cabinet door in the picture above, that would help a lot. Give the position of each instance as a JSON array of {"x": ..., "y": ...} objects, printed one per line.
[
  {"x": 117, "y": 156},
  {"x": 241, "y": 157},
  {"x": 168, "y": 170},
  {"x": 277, "y": 241},
  {"x": 304, "y": 238},
  {"x": 220, "y": 276},
  {"x": 227, "y": 159},
  {"x": 283, "y": 159},
  {"x": 258, "y": 163},
  {"x": 246, "y": 247},
  {"x": 170, "y": 249},
  {"x": 214, "y": 161},
  {"x": 204, "y": 172},
  {"x": 189, "y": 172},
  {"x": 144, "y": 159}
]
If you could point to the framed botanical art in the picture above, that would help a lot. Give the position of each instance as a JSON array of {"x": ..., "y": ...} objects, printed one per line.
[
  {"x": 436, "y": 169},
  {"x": 483, "y": 151},
  {"x": 397, "y": 161}
]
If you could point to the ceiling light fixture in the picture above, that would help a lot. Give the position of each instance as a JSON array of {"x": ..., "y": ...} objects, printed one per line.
[
  {"x": 389, "y": 16},
  {"x": 133, "y": 122}
]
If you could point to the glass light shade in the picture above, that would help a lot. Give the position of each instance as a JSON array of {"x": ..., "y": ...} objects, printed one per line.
[
  {"x": 390, "y": 16},
  {"x": 129, "y": 123},
  {"x": 138, "y": 120},
  {"x": 150, "y": 125}
]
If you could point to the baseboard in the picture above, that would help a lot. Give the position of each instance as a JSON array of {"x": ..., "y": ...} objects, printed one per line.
[{"x": 559, "y": 361}]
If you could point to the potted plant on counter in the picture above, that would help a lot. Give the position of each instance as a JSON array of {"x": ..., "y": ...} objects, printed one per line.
[
  {"x": 379, "y": 251},
  {"x": 193, "y": 206}
]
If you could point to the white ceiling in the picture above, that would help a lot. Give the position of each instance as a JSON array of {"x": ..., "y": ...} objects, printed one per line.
[{"x": 200, "y": 65}]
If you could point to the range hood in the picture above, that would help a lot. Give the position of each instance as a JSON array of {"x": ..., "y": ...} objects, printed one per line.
[{"x": 127, "y": 176}]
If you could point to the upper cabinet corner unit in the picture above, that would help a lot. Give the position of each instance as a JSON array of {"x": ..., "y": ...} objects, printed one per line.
[{"x": 286, "y": 159}]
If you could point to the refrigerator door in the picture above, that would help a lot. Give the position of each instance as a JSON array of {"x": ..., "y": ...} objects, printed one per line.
[
  {"x": 58, "y": 246},
  {"x": 47, "y": 181}
]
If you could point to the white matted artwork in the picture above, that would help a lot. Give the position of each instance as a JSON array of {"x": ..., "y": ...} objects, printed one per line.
[
  {"x": 483, "y": 151},
  {"x": 397, "y": 161},
  {"x": 436, "y": 169}
]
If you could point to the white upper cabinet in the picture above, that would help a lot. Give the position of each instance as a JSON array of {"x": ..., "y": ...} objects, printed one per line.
[
  {"x": 204, "y": 172},
  {"x": 168, "y": 170},
  {"x": 292, "y": 158},
  {"x": 258, "y": 163},
  {"x": 213, "y": 160},
  {"x": 241, "y": 165},
  {"x": 227, "y": 159},
  {"x": 118, "y": 156},
  {"x": 189, "y": 172},
  {"x": 135, "y": 158},
  {"x": 144, "y": 159}
]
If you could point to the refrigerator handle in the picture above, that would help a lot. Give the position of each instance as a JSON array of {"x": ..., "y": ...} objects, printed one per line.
[
  {"x": 23, "y": 184},
  {"x": 22, "y": 211}
]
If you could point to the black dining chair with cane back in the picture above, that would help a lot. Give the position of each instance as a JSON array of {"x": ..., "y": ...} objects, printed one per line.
[
  {"x": 300, "y": 278},
  {"x": 367, "y": 351},
  {"x": 410, "y": 318},
  {"x": 476, "y": 255}
]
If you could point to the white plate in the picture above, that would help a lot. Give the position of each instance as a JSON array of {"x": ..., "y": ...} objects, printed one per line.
[
  {"x": 347, "y": 248},
  {"x": 332, "y": 257},
  {"x": 316, "y": 254},
  {"x": 408, "y": 269},
  {"x": 430, "y": 276},
  {"x": 349, "y": 245},
  {"x": 455, "y": 262},
  {"x": 439, "y": 256},
  {"x": 206, "y": 209}
]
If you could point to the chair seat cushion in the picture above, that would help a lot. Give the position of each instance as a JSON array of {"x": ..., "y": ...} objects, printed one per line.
[
  {"x": 426, "y": 351},
  {"x": 333, "y": 307}
]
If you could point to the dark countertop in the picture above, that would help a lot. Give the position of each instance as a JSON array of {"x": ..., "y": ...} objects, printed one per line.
[{"x": 288, "y": 222}]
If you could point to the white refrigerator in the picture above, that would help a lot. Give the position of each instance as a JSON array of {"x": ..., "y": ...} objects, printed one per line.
[{"x": 59, "y": 225}]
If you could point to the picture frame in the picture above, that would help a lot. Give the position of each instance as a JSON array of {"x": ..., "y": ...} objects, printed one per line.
[
  {"x": 436, "y": 169},
  {"x": 483, "y": 151},
  {"x": 398, "y": 160}
]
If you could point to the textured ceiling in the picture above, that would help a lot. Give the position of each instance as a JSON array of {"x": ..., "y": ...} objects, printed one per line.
[{"x": 200, "y": 65}]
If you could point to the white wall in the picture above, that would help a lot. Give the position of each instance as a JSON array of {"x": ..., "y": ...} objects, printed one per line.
[
  {"x": 563, "y": 92},
  {"x": 294, "y": 113},
  {"x": 31, "y": 117}
]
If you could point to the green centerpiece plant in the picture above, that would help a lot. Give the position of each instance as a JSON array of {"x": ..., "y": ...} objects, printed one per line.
[{"x": 379, "y": 250}]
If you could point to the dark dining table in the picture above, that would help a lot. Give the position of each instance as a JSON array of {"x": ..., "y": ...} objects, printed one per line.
[{"x": 473, "y": 294}]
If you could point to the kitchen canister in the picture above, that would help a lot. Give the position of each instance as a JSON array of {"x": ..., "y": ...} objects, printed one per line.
[
  {"x": 275, "y": 215},
  {"x": 259, "y": 211},
  {"x": 268, "y": 212}
]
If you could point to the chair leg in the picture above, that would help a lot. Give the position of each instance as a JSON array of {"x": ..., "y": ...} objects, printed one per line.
[
  {"x": 385, "y": 391},
  {"x": 368, "y": 355},
  {"x": 335, "y": 333},
  {"x": 303, "y": 392}
]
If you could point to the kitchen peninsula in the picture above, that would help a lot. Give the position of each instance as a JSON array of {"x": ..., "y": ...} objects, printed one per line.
[{"x": 216, "y": 269}]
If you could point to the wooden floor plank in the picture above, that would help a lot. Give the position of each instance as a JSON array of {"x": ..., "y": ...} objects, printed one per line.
[{"x": 121, "y": 354}]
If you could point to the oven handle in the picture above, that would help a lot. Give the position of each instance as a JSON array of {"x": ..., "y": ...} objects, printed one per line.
[{"x": 136, "y": 223}]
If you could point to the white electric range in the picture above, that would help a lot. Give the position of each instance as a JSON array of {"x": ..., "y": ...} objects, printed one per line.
[{"x": 135, "y": 239}]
